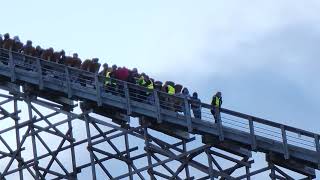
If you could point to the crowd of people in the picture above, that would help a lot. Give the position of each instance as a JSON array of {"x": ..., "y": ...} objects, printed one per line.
[{"x": 109, "y": 73}]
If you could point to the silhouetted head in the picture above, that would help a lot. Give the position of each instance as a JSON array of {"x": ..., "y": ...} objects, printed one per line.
[
  {"x": 29, "y": 43},
  {"x": 195, "y": 95},
  {"x": 16, "y": 39},
  {"x": 62, "y": 52},
  {"x": 135, "y": 70},
  {"x": 114, "y": 67},
  {"x": 95, "y": 60},
  {"x": 38, "y": 48},
  {"x": 219, "y": 94},
  {"x": 51, "y": 50},
  {"x": 185, "y": 91},
  {"x": 75, "y": 55},
  {"x": 6, "y": 36},
  {"x": 105, "y": 66}
]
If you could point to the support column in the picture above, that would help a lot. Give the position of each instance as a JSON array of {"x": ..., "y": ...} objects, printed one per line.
[
  {"x": 146, "y": 139},
  {"x": 33, "y": 138},
  {"x": 17, "y": 129},
  {"x": 93, "y": 168},
  {"x": 128, "y": 155},
  {"x": 73, "y": 154},
  {"x": 184, "y": 145}
]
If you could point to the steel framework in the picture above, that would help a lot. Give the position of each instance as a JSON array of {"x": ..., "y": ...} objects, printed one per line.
[{"x": 45, "y": 135}]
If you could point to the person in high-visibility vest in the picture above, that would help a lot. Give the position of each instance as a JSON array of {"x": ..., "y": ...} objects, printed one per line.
[
  {"x": 171, "y": 89},
  {"x": 141, "y": 79},
  {"x": 216, "y": 103},
  {"x": 150, "y": 86}
]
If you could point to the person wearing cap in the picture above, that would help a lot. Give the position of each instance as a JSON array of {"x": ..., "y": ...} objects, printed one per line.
[
  {"x": 196, "y": 105},
  {"x": 216, "y": 104}
]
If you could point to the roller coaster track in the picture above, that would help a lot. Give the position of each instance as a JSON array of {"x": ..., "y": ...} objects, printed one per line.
[{"x": 58, "y": 122}]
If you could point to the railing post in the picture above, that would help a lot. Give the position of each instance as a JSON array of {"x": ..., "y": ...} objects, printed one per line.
[
  {"x": 127, "y": 96},
  {"x": 98, "y": 89},
  {"x": 12, "y": 67},
  {"x": 218, "y": 118},
  {"x": 157, "y": 104},
  {"x": 316, "y": 139},
  {"x": 68, "y": 84},
  {"x": 253, "y": 136},
  {"x": 285, "y": 142},
  {"x": 187, "y": 114},
  {"x": 40, "y": 74}
]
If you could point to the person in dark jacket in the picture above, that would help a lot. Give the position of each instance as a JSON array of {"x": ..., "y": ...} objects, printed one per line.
[
  {"x": 7, "y": 42},
  {"x": 47, "y": 54},
  {"x": 104, "y": 70},
  {"x": 56, "y": 57},
  {"x": 38, "y": 52},
  {"x": 94, "y": 66},
  {"x": 28, "y": 49},
  {"x": 196, "y": 105},
  {"x": 86, "y": 64},
  {"x": 76, "y": 61},
  {"x": 216, "y": 104},
  {"x": 1, "y": 40},
  {"x": 17, "y": 45},
  {"x": 62, "y": 57}
]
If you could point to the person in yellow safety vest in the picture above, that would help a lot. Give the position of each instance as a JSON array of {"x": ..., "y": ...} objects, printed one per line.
[
  {"x": 216, "y": 103},
  {"x": 150, "y": 86},
  {"x": 171, "y": 89},
  {"x": 141, "y": 80},
  {"x": 104, "y": 72},
  {"x": 108, "y": 80}
]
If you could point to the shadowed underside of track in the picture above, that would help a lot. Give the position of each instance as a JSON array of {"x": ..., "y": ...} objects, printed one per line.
[{"x": 63, "y": 85}]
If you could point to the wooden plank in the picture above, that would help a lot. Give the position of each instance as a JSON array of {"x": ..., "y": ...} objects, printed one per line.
[
  {"x": 40, "y": 74},
  {"x": 187, "y": 113},
  {"x": 253, "y": 136},
  {"x": 12, "y": 67},
  {"x": 285, "y": 142},
  {"x": 157, "y": 104},
  {"x": 68, "y": 84},
  {"x": 126, "y": 93},
  {"x": 98, "y": 90},
  {"x": 221, "y": 136},
  {"x": 316, "y": 139}
]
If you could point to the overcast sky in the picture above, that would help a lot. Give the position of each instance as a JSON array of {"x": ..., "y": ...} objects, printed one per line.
[{"x": 263, "y": 55}]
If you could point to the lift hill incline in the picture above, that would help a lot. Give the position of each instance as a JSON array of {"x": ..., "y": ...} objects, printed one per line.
[{"x": 47, "y": 77}]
